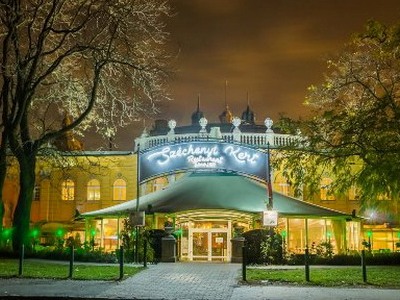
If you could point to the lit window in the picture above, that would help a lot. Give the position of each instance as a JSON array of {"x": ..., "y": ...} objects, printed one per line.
[
  {"x": 383, "y": 197},
  {"x": 93, "y": 190},
  {"x": 354, "y": 194},
  {"x": 68, "y": 190},
  {"x": 284, "y": 188},
  {"x": 326, "y": 189},
  {"x": 119, "y": 190},
  {"x": 158, "y": 184},
  {"x": 36, "y": 193}
]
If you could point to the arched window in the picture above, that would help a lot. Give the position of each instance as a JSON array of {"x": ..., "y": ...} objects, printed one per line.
[
  {"x": 68, "y": 190},
  {"x": 119, "y": 190},
  {"x": 93, "y": 190},
  {"x": 354, "y": 193}
]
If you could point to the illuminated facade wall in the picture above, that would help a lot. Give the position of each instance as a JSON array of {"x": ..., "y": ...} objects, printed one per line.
[
  {"x": 98, "y": 181},
  {"x": 81, "y": 184}
]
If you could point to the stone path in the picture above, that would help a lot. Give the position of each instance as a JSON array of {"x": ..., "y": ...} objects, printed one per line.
[{"x": 180, "y": 281}]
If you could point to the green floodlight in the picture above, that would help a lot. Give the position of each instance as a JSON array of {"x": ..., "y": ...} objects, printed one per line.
[
  {"x": 179, "y": 232},
  {"x": 283, "y": 233},
  {"x": 329, "y": 234},
  {"x": 369, "y": 233},
  {"x": 92, "y": 232},
  {"x": 35, "y": 233},
  {"x": 398, "y": 234},
  {"x": 59, "y": 232},
  {"x": 7, "y": 232}
]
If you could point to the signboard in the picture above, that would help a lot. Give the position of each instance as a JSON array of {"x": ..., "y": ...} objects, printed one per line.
[
  {"x": 219, "y": 240},
  {"x": 202, "y": 155},
  {"x": 270, "y": 218},
  {"x": 137, "y": 218}
]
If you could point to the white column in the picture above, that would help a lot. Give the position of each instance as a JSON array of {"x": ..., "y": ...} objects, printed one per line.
[{"x": 102, "y": 233}]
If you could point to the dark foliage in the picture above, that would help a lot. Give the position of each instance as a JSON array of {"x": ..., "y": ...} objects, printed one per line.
[{"x": 263, "y": 247}]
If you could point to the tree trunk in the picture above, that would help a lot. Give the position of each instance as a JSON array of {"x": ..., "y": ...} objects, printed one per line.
[
  {"x": 22, "y": 214},
  {"x": 3, "y": 172}
]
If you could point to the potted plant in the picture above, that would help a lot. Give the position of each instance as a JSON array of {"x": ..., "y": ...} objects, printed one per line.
[{"x": 168, "y": 227}]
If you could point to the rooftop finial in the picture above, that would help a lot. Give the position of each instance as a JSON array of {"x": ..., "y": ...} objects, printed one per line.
[{"x": 226, "y": 116}]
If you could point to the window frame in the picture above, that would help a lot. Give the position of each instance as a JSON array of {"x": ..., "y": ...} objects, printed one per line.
[
  {"x": 93, "y": 190},
  {"x": 326, "y": 193},
  {"x": 67, "y": 186},
  {"x": 119, "y": 190}
]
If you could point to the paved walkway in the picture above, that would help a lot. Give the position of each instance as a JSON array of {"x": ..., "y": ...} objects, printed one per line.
[{"x": 183, "y": 281}]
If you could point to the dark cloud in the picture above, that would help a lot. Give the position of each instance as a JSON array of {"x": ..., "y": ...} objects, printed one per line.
[{"x": 272, "y": 50}]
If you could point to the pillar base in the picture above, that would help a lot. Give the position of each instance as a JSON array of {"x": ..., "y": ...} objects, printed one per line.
[
  {"x": 237, "y": 251},
  {"x": 168, "y": 249}
]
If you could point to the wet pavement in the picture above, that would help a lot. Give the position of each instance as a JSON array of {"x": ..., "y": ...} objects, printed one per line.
[{"x": 181, "y": 281}]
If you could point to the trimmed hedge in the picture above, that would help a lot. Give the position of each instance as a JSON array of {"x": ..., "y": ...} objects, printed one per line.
[
  {"x": 64, "y": 254},
  {"x": 392, "y": 258},
  {"x": 80, "y": 254}
]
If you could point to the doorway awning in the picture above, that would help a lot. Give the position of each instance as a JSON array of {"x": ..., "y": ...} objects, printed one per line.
[{"x": 217, "y": 191}]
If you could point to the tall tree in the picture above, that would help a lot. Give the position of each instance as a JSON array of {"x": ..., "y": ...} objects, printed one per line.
[
  {"x": 353, "y": 132},
  {"x": 3, "y": 172},
  {"x": 96, "y": 60}
]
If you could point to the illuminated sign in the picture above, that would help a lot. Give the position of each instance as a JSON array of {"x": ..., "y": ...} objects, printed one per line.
[
  {"x": 137, "y": 218},
  {"x": 270, "y": 218},
  {"x": 203, "y": 155}
]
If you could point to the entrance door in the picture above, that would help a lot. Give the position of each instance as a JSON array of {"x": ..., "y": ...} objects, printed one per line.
[
  {"x": 208, "y": 244},
  {"x": 219, "y": 246},
  {"x": 200, "y": 245}
]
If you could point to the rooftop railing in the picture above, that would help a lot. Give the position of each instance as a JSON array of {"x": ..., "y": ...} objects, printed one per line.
[{"x": 262, "y": 140}]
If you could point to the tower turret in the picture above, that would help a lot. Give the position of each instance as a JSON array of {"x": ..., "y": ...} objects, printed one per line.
[{"x": 248, "y": 116}]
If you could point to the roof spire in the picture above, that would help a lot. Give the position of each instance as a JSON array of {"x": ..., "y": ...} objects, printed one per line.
[
  {"x": 226, "y": 116},
  {"x": 226, "y": 85},
  {"x": 198, "y": 114},
  {"x": 248, "y": 116},
  {"x": 198, "y": 102}
]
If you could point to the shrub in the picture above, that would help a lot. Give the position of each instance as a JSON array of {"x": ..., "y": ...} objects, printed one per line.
[
  {"x": 392, "y": 258},
  {"x": 263, "y": 247},
  {"x": 354, "y": 259},
  {"x": 324, "y": 250},
  {"x": 271, "y": 249},
  {"x": 80, "y": 254},
  {"x": 253, "y": 240},
  {"x": 129, "y": 241},
  {"x": 154, "y": 237}
]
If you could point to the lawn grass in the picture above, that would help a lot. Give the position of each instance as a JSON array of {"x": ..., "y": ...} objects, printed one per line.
[
  {"x": 55, "y": 270},
  {"x": 377, "y": 276}
]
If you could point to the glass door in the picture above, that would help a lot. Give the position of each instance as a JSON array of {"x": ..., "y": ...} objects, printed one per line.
[
  {"x": 200, "y": 245},
  {"x": 219, "y": 246},
  {"x": 208, "y": 244}
]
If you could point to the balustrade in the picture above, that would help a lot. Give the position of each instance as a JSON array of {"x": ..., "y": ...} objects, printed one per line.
[{"x": 253, "y": 139}]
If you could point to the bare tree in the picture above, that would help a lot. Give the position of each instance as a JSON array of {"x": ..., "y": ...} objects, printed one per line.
[{"x": 98, "y": 61}]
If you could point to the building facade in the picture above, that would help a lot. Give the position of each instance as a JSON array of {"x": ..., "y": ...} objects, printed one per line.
[{"x": 207, "y": 205}]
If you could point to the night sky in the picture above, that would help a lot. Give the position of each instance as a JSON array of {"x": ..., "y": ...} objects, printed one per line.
[{"x": 270, "y": 50}]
